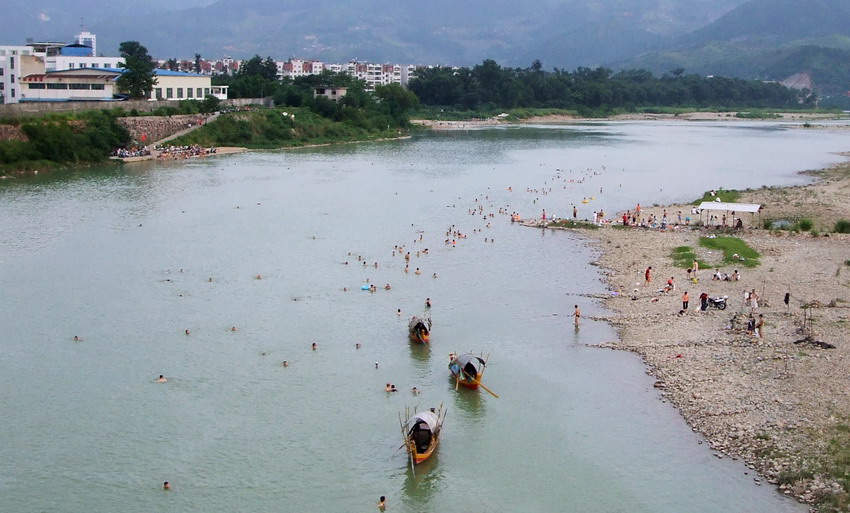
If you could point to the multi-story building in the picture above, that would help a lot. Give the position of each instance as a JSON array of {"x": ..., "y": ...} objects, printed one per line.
[
  {"x": 373, "y": 74},
  {"x": 17, "y": 62},
  {"x": 88, "y": 39}
]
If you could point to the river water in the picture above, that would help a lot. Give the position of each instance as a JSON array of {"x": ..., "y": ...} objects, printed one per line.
[{"x": 128, "y": 258}]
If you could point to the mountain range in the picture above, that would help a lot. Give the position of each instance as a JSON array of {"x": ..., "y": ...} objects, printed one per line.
[{"x": 748, "y": 38}]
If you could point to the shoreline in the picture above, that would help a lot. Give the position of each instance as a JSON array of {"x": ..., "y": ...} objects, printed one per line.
[
  {"x": 558, "y": 119},
  {"x": 776, "y": 403}
]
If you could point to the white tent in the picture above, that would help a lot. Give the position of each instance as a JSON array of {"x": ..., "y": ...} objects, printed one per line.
[{"x": 734, "y": 208}]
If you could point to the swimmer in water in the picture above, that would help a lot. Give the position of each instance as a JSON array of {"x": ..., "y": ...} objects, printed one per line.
[
  {"x": 285, "y": 364},
  {"x": 162, "y": 379},
  {"x": 415, "y": 391},
  {"x": 382, "y": 503},
  {"x": 233, "y": 328},
  {"x": 388, "y": 388},
  {"x": 427, "y": 302},
  {"x": 398, "y": 312},
  {"x": 166, "y": 486},
  {"x": 77, "y": 339},
  {"x": 187, "y": 331},
  {"x": 314, "y": 346},
  {"x": 357, "y": 345}
]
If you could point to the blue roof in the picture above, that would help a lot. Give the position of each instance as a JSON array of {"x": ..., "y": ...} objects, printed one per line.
[
  {"x": 158, "y": 72},
  {"x": 169, "y": 73}
]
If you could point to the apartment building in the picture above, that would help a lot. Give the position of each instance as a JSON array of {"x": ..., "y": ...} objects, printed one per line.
[{"x": 16, "y": 62}]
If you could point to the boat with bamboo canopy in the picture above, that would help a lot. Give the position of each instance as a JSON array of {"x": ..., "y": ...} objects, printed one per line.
[
  {"x": 419, "y": 329},
  {"x": 421, "y": 432},
  {"x": 467, "y": 370}
]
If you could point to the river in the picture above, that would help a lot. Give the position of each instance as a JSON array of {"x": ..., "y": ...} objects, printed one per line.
[{"x": 129, "y": 258}]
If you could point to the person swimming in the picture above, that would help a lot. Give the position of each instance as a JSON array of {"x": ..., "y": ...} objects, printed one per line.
[
  {"x": 285, "y": 364},
  {"x": 162, "y": 379},
  {"x": 166, "y": 486},
  {"x": 314, "y": 346}
]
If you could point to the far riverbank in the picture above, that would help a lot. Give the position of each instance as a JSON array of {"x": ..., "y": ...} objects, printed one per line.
[{"x": 566, "y": 118}]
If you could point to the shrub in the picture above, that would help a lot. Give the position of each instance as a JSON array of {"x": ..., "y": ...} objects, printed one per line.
[
  {"x": 805, "y": 224},
  {"x": 842, "y": 226}
]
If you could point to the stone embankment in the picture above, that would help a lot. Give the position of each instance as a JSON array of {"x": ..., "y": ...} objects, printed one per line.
[
  {"x": 147, "y": 129},
  {"x": 11, "y": 133}
]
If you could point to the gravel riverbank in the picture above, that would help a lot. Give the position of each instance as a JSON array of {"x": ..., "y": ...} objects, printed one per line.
[{"x": 780, "y": 404}]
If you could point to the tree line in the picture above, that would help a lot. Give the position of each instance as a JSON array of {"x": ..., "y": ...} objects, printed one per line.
[
  {"x": 257, "y": 78},
  {"x": 489, "y": 86}
]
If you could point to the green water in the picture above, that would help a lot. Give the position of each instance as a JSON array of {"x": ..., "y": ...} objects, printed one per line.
[{"x": 98, "y": 253}]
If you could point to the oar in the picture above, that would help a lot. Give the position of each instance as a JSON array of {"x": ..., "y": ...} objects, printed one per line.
[
  {"x": 399, "y": 448},
  {"x": 494, "y": 394}
]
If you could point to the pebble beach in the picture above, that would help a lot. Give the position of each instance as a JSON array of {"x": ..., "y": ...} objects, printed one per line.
[{"x": 779, "y": 402}]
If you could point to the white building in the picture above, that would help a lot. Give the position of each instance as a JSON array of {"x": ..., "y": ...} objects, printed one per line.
[
  {"x": 69, "y": 85},
  {"x": 176, "y": 85},
  {"x": 86, "y": 38},
  {"x": 16, "y": 62},
  {"x": 62, "y": 62}
]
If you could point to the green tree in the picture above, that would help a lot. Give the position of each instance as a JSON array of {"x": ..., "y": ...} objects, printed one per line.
[
  {"x": 396, "y": 100},
  {"x": 257, "y": 67},
  {"x": 138, "y": 78},
  {"x": 198, "y": 63}
]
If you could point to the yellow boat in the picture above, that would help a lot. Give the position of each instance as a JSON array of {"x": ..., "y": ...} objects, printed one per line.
[{"x": 421, "y": 432}]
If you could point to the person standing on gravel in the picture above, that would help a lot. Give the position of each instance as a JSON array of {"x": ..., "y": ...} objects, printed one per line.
[{"x": 685, "y": 300}]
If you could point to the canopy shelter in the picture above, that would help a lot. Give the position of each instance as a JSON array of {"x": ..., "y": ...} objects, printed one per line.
[{"x": 733, "y": 209}]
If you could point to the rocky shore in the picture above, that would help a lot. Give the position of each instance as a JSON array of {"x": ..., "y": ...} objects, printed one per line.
[{"x": 779, "y": 403}]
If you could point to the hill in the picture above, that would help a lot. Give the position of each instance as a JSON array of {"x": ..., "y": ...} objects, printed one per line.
[
  {"x": 566, "y": 33},
  {"x": 769, "y": 40}
]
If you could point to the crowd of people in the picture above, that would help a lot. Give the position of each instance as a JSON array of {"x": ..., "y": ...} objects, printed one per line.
[
  {"x": 183, "y": 152},
  {"x": 132, "y": 151}
]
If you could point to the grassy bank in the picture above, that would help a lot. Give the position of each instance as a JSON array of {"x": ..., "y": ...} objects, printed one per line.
[
  {"x": 58, "y": 140},
  {"x": 285, "y": 127}
]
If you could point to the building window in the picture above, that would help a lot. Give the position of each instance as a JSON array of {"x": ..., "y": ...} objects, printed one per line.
[
  {"x": 2, "y": 72},
  {"x": 169, "y": 93},
  {"x": 98, "y": 87},
  {"x": 57, "y": 86},
  {"x": 189, "y": 92},
  {"x": 206, "y": 91},
  {"x": 36, "y": 86},
  {"x": 158, "y": 93},
  {"x": 200, "y": 92},
  {"x": 70, "y": 65},
  {"x": 13, "y": 92},
  {"x": 12, "y": 62},
  {"x": 12, "y": 78},
  {"x": 79, "y": 86},
  {"x": 180, "y": 92}
]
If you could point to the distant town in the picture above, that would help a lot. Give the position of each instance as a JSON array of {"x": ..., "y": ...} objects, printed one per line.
[{"x": 57, "y": 71}]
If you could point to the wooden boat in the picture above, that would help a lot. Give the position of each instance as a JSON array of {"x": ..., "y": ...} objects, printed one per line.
[
  {"x": 467, "y": 369},
  {"x": 421, "y": 433},
  {"x": 419, "y": 329}
]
